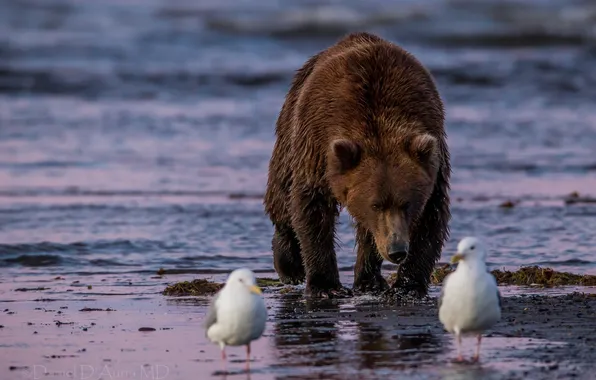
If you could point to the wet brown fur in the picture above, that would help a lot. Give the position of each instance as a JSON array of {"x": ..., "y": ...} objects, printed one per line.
[{"x": 361, "y": 127}]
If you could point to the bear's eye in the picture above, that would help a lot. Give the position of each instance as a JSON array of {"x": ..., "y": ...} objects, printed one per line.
[{"x": 377, "y": 207}]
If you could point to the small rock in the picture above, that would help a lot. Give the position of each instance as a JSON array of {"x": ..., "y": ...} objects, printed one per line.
[
  {"x": 507, "y": 204},
  {"x": 15, "y": 368},
  {"x": 59, "y": 323}
]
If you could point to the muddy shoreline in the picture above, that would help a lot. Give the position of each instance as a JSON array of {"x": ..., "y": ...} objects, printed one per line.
[{"x": 150, "y": 336}]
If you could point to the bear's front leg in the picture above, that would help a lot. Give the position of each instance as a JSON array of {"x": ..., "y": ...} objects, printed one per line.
[
  {"x": 313, "y": 219},
  {"x": 287, "y": 259},
  {"x": 367, "y": 272},
  {"x": 413, "y": 276}
]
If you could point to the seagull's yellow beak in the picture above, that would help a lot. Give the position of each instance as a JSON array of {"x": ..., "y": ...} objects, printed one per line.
[
  {"x": 457, "y": 257},
  {"x": 255, "y": 289}
]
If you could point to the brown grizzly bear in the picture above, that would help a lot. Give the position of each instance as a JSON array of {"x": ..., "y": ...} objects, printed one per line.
[{"x": 361, "y": 127}]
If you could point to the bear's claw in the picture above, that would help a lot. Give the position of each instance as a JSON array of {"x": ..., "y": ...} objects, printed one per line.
[
  {"x": 340, "y": 292},
  {"x": 291, "y": 280},
  {"x": 376, "y": 284}
]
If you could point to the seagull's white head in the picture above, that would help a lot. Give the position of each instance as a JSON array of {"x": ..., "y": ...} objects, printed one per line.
[
  {"x": 243, "y": 277},
  {"x": 470, "y": 249}
]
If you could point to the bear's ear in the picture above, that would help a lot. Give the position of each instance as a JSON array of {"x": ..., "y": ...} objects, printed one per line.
[
  {"x": 347, "y": 154},
  {"x": 424, "y": 148}
]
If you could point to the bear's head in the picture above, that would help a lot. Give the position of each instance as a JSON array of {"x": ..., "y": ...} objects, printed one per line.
[{"x": 385, "y": 188}]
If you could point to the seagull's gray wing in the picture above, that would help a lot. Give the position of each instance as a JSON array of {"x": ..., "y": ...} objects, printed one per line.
[
  {"x": 442, "y": 295},
  {"x": 496, "y": 283},
  {"x": 211, "y": 317}
]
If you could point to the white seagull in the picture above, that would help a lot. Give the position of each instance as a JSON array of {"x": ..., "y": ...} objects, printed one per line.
[
  {"x": 237, "y": 313},
  {"x": 470, "y": 302}
]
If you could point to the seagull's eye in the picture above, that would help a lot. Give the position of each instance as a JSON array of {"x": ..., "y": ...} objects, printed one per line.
[
  {"x": 241, "y": 280},
  {"x": 472, "y": 247}
]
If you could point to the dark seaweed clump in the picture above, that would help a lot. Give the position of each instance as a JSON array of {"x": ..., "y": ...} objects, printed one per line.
[
  {"x": 524, "y": 276},
  {"x": 203, "y": 287},
  {"x": 546, "y": 277},
  {"x": 266, "y": 282},
  {"x": 198, "y": 287}
]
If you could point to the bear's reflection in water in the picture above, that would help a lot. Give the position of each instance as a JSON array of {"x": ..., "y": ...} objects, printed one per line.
[{"x": 335, "y": 339}]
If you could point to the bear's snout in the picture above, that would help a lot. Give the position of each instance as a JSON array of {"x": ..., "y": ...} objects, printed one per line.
[{"x": 398, "y": 251}]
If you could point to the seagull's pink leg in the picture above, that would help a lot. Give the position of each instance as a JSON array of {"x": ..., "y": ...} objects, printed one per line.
[
  {"x": 222, "y": 347},
  {"x": 460, "y": 358},
  {"x": 477, "y": 356},
  {"x": 223, "y": 358},
  {"x": 248, "y": 356}
]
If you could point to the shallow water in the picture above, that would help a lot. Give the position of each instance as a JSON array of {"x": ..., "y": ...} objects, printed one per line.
[{"x": 135, "y": 135}]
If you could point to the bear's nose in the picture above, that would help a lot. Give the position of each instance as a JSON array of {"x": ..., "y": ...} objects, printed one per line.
[{"x": 398, "y": 251}]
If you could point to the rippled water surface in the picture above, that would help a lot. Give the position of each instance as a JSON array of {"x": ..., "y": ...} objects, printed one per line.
[{"x": 135, "y": 135}]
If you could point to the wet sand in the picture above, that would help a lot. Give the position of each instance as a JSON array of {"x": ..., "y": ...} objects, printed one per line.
[{"x": 94, "y": 334}]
